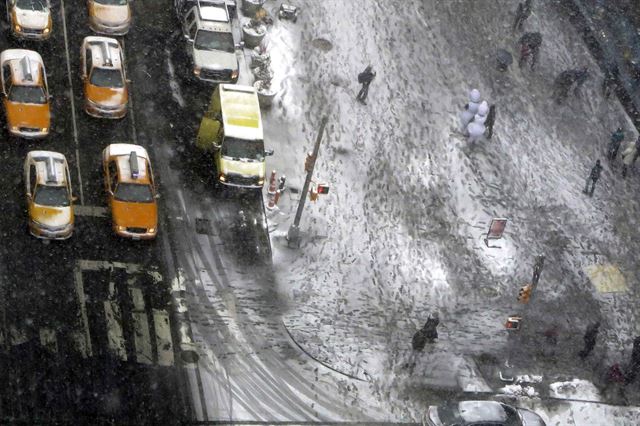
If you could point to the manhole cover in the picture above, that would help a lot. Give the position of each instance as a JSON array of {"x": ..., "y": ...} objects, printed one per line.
[
  {"x": 322, "y": 44},
  {"x": 203, "y": 226}
]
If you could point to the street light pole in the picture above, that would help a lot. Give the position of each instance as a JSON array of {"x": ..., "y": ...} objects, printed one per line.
[{"x": 293, "y": 235}]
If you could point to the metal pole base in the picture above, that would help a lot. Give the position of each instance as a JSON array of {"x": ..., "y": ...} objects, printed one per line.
[{"x": 293, "y": 236}]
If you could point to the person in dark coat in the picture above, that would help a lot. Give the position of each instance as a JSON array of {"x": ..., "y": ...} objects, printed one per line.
[
  {"x": 428, "y": 333},
  {"x": 593, "y": 178},
  {"x": 522, "y": 13},
  {"x": 610, "y": 81},
  {"x": 562, "y": 84},
  {"x": 634, "y": 365},
  {"x": 590, "y": 336},
  {"x": 580, "y": 76},
  {"x": 529, "y": 48},
  {"x": 365, "y": 78},
  {"x": 491, "y": 119},
  {"x": 614, "y": 145}
]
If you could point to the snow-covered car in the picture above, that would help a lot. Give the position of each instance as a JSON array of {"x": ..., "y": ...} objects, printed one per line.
[
  {"x": 103, "y": 75},
  {"x": 467, "y": 413},
  {"x": 211, "y": 49},
  {"x": 29, "y": 19},
  {"x": 49, "y": 197},
  {"x": 112, "y": 17},
  {"x": 25, "y": 93}
]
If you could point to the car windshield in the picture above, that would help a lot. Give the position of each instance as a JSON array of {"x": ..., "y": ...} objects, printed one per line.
[
  {"x": 113, "y": 2},
  {"x": 27, "y": 94},
  {"x": 38, "y": 5},
  {"x": 243, "y": 149},
  {"x": 53, "y": 196},
  {"x": 213, "y": 40},
  {"x": 106, "y": 77},
  {"x": 449, "y": 415},
  {"x": 133, "y": 192}
]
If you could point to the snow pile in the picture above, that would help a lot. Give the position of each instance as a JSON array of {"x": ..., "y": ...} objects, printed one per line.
[
  {"x": 519, "y": 390},
  {"x": 575, "y": 389}
]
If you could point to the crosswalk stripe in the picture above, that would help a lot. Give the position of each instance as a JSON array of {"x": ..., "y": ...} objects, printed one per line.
[
  {"x": 142, "y": 338},
  {"x": 115, "y": 337},
  {"x": 163, "y": 337}
]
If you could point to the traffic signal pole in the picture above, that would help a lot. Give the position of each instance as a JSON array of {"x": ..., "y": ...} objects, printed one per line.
[
  {"x": 293, "y": 235},
  {"x": 515, "y": 336}
]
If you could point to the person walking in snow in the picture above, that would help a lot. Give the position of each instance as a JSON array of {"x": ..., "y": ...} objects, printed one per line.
[
  {"x": 634, "y": 364},
  {"x": 476, "y": 128},
  {"x": 616, "y": 139},
  {"x": 562, "y": 84},
  {"x": 522, "y": 13},
  {"x": 529, "y": 48},
  {"x": 580, "y": 76},
  {"x": 470, "y": 110},
  {"x": 590, "y": 336},
  {"x": 491, "y": 118},
  {"x": 629, "y": 156},
  {"x": 610, "y": 81},
  {"x": 593, "y": 178},
  {"x": 428, "y": 333},
  {"x": 365, "y": 78}
]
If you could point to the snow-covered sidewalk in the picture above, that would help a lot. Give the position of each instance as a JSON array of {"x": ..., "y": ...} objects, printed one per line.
[{"x": 400, "y": 235}]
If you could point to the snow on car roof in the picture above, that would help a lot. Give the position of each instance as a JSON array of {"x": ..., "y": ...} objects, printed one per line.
[
  {"x": 241, "y": 112},
  {"x": 103, "y": 48},
  {"x": 481, "y": 411},
  {"x": 49, "y": 167},
  {"x": 214, "y": 13}
]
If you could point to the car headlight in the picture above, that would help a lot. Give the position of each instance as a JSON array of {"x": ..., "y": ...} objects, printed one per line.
[
  {"x": 46, "y": 30},
  {"x": 261, "y": 181},
  {"x": 196, "y": 71},
  {"x": 44, "y": 129},
  {"x": 14, "y": 128},
  {"x": 151, "y": 230},
  {"x": 121, "y": 228},
  {"x": 17, "y": 28},
  {"x": 222, "y": 177},
  {"x": 234, "y": 74}
]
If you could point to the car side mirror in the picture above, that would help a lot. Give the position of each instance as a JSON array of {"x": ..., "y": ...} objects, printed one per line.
[
  {"x": 268, "y": 152},
  {"x": 74, "y": 199},
  {"x": 240, "y": 45},
  {"x": 128, "y": 81},
  {"x": 157, "y": 196},
  {"x": 29, "y": 195}
]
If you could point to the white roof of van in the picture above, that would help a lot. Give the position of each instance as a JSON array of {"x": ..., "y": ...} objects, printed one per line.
[{"x": 240, "y": 112}]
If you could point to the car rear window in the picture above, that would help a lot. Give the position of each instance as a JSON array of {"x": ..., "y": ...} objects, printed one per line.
[
  {"x": 106, "y": 77},
  {"x": 27, "y": 95},
  {"x": 52, "y": 196},
  {"x": 133, "y": 193}
]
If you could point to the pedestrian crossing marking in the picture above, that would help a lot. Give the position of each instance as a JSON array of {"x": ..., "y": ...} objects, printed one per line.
[
  {"x": 143, "y": 343},
  {"x": 142, "y": 338},
  {"x": 606, "y": 278},
  {"x": 115, "y": 336}
]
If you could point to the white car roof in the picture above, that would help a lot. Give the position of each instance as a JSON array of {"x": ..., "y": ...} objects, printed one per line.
[
  {"x": 50, "y": 167},
  {"x": 100, "y": 48},
  {"x": 481, "y": 411},
  {"x": 214, "y": 13}
]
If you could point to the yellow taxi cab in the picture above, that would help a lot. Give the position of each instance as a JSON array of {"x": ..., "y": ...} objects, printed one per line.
[
  {"x": 109, "y": 16},
  {"x": 105, "y": 83},
  {"x": 131, "y": 191},
  {"x": 29, "y": 19},
  {"x": 49, "y": 196},
  {"x": 25, "y": 93}
]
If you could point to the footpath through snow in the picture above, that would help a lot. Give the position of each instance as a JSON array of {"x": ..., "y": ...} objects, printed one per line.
[{"x": 401, "y": 233}]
